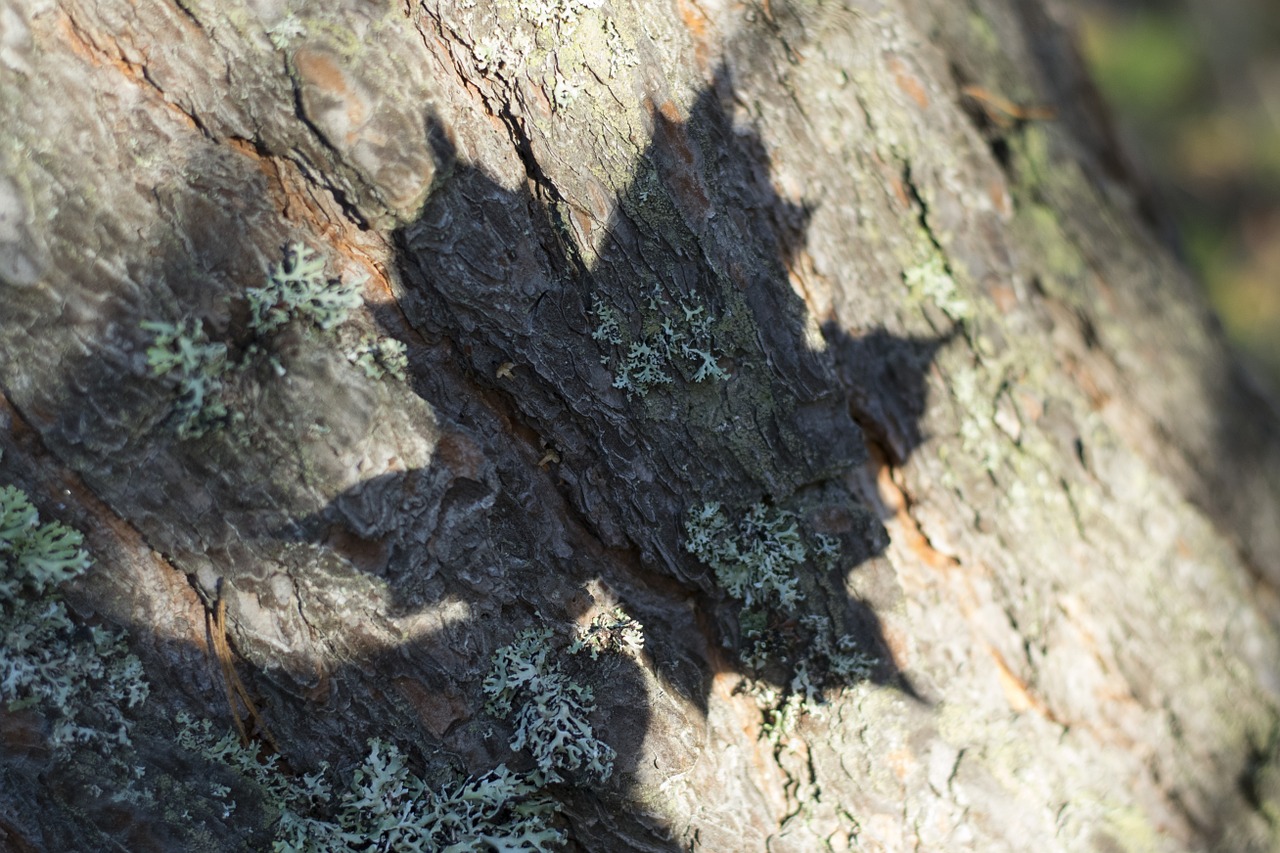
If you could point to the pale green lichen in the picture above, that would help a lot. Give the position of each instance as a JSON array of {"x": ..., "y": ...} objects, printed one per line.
[
  {"x": 756, "y": 651},
  {"x": 818, "y": 661},
  {"x": 285, "y": 32},
  {"x": 782, "y": 715},
  {"x": 678, "y": 338},
  {"x": 826, "y": 551},
  {"x": 499, "y": 810},
  {"x": 378, "y": 357},
  {"x": 278, "y": 790},
  {"x": 197, "y": 365},
  {"x": 493, "y": 57},
  {"x": 608, "y": 326},
  {"x": 931, "y": 280},
  {"x": 549, "y": 711},
  {"x": 81, "y": 680},
  {"x": 565, "y": 93},
  {"x": 821, "y": 660},
  {"x": 545, "y": 13},
  {"x": 755, "y": 559},
  {"x": 297, "y": 288},
  {"x": 827, "y": 660},
  {"x": 977, "y": 430},
  {"x": 614, "y": 631},
  {"x": 643, "y": 368},
  {"x": 385, "y": 805},
  {"x": 620, "y": 55},
  {"x": 297, "y": 291}
]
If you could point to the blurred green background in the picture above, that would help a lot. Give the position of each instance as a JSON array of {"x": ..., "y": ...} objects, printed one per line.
[{"x": 1194, "y": 87}]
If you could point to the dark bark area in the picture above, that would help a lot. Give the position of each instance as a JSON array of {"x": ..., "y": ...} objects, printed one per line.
[{"x": 953, "y": 349}]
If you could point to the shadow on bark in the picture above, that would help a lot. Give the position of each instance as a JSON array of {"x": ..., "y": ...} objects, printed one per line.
[
  {"x": 551, "y": 494},
  {"x": 516, "y": 299}
]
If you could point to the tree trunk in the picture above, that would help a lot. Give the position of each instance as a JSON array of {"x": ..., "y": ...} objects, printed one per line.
[{"x": 998, "y": 527}]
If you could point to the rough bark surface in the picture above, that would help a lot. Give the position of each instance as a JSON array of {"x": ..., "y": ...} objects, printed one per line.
[{"x": 952, "y": 344}]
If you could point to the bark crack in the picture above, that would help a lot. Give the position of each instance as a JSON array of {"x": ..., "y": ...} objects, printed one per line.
[
  {"x": 137, "y": 72},
  {"x": 547, "y": 193},
  {"x": 187, "y": 12},
  {"x": 348, "y": 207},
  {"x": 923, "y": 214},
  {"x": 897, "y": 502},
  {"x": 544, "y": 191}
]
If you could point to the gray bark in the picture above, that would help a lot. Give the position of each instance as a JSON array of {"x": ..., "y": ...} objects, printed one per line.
[{"x": 954, "y": 345}]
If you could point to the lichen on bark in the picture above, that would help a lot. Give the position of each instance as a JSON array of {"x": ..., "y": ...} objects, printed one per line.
[{"x": 945, "y": 348}]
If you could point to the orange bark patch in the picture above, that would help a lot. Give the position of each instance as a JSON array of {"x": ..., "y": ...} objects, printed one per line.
[
  {"x": 437, "y": 710},
  {"x": 1083, "y": 376},
  {"x": 1030, "y": 405},
  {"x": 237, "y": 694},
  {"x": 103, "y": 51},
  {"x": 901, "y": 762},
  {"x": 585, "y": 224},
  {"x": 1004, "y": 296},
  {"x": 800, "y": 272},
  {"x": 1016, "y": 691},
  {"x": 670, "y": 112},
  {"x": 321, "y": 71},
  {"x": 913, "y": 537},
  {"x": 900, "y": 191},
  {"x": 328, "y": 83},
  {"x": 678, "y": 162},
  {"x": 898, "y": 646},
  {"x": 296, "y": 201},
  {"x": 908, "y": 82},
  {"x": 1000, "y": 199},
  {"x": 1002, "y": 111},
  {"x": 697, "y": 23}
]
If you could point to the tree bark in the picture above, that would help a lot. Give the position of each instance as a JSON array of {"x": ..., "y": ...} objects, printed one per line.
[{"x": 946, "y": 341}]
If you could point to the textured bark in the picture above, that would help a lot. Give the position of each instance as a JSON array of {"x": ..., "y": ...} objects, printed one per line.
[{"x": 955, "y": 345}]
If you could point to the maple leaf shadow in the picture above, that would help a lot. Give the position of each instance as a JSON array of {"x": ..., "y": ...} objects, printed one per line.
[
  {"x": 550, "y": 494},
  {"x": 553, "y": 494}
]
